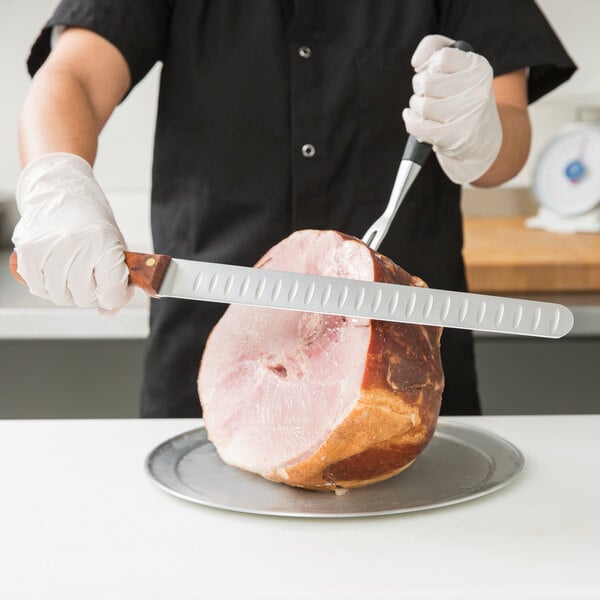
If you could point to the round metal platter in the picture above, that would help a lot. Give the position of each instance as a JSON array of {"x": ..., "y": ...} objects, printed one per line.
[{"x": 460, "y": 463}]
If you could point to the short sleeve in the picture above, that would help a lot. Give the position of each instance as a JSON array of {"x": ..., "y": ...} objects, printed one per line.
[
  {"x": 137, "y": 28},
  {"x": 511, "y": 34}
]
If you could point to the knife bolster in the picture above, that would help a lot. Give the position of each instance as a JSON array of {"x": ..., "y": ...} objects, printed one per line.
[{"x": 147, "y": 271}]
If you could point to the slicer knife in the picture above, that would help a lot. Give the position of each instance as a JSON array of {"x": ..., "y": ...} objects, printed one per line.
[{"x": 161, "y": 276}]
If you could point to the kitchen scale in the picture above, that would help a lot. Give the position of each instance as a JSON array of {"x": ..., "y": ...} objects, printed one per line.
[{"x": 566, "y": 181}]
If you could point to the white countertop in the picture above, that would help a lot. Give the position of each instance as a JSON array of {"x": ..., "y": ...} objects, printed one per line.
[
  {"x": 24, "y": 316},
  {"x": 80, "y": 519}
]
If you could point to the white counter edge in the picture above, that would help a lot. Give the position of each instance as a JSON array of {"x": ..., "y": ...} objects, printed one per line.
[
  {"x": 133, "y": 323},
  {"x": 72, "y": 323}
]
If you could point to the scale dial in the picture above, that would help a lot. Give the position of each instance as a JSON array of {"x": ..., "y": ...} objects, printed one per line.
[{"x": 566, "y": 178}]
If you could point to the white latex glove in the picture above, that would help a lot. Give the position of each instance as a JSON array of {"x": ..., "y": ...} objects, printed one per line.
[
  {"x": 68, "y": 245},
  {"x": 453, "y": 108}
]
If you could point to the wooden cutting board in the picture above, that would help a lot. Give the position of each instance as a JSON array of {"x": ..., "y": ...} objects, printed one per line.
[{"x": 502, "y": 255}]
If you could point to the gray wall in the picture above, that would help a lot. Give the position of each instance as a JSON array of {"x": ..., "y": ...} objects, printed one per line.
[
  {"x": 101, "y": 379},
  {"x": 70, "y": 379},
  {"x": 529, "y": 376}
]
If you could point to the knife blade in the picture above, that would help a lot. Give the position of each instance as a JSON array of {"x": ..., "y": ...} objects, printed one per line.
[
  {"x": 232, "y": 284},
  {"x": 162, "y": 276}
]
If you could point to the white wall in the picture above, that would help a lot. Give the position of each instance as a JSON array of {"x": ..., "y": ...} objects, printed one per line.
[
  {"x": 576, "y": 23},
  {"x": 123, "y": 165},
  {"x": 124, "y": 159}
]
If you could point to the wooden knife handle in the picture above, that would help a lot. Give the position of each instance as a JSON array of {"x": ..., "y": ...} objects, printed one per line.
[
  {"x": 146, "y": 271},
  {"x": 12, "y": 265}
]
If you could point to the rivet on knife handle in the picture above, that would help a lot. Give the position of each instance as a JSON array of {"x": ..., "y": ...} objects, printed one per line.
[{"x": 146, "y": 271}]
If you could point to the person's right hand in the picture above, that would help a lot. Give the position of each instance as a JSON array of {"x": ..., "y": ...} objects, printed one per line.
[{"x": 69, "y": 247}]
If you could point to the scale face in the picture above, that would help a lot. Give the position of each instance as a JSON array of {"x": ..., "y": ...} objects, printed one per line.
[{"x": 566, "y": 178}]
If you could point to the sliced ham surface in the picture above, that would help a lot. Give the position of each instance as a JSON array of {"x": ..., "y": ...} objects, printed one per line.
[{"x": 321, "y": 401}]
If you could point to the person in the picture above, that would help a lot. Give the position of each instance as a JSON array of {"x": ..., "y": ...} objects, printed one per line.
[{"x": 273, "y": 116}]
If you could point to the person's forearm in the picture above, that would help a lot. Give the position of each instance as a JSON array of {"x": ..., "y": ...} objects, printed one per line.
[
  {"x": 57, "y": 116},
  {"x": 72, "y": 96},
  {"x": 516, "y": 141}
]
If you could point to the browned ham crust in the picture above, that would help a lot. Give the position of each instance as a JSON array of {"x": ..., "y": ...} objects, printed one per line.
[{"x": 384, "y": 417}]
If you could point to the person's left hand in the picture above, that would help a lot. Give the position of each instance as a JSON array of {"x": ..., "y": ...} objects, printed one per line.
[{"x": 453, "y": 108}]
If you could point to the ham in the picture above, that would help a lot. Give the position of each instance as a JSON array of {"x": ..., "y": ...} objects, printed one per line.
[{"x": 321, "y": 401}]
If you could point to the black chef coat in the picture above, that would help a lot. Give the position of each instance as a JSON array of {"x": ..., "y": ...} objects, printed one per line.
[{"x": 278, "y": 115}]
